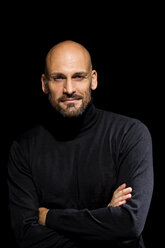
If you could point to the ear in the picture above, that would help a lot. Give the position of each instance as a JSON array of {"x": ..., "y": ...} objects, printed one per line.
[
  {"x": 94, "y": 80},
  {"x": 44, "y": 82}
]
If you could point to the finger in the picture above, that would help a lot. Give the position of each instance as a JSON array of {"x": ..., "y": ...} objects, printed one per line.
[
  {"x": 124, "y": 197},
  {"x": 127, "y": 190},
  {"x": 121, "y": 198},
  {"x": 123, "y": 192},
  {"x": 121, "y": 187},
  {"x": 120, "y": 203},
  {"x": 117, "y": 204}
]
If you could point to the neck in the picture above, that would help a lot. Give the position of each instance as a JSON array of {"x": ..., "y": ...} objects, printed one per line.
[{"x": 67, "y": 128}]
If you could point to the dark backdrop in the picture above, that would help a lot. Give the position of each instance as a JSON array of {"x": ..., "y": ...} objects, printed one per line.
[{"x": 126, "y": 49}]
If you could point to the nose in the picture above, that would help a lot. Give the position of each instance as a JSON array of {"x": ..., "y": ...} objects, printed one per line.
[{"x": 69, "y": 87}]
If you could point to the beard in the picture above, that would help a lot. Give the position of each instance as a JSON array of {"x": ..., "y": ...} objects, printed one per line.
[{"x": 71, "y": 110}]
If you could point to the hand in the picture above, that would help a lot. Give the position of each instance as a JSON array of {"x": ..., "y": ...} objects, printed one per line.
[
  {"x": 42, "y": 215},
  {"x": 120, "y": 196}
]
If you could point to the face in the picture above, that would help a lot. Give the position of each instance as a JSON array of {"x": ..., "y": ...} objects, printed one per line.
[{"x": 69, "y": 83}]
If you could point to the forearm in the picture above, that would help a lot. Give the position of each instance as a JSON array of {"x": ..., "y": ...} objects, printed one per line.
[
  {"x": 120, "y": 197},
  {"x": 110, "y": 223},
  {"x": 40, "y": 236},
  {"x": 30, "y": 234},
  {"x": 102, "y": 224}
]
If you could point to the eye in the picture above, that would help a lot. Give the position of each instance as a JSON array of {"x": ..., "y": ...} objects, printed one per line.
[
  {"x": 57, "y": 78},
  {"x": 79, "y": 77}
]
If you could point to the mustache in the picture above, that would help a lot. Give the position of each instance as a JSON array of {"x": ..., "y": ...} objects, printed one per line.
[{"x": 67, "y": 96}]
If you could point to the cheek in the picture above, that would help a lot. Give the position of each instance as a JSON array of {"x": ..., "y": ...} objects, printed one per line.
[
  {"x": 55, "y": 92},
  {"x": 84, "y": 89}
]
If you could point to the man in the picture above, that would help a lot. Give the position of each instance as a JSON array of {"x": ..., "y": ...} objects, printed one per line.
[{"x": 84, "y": 176}]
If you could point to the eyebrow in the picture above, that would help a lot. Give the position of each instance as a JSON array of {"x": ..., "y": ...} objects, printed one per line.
[
  {"x": 56, "y": 74},
  {"x": 59, "y": 74},
  {"x": 81, "y": 73}
]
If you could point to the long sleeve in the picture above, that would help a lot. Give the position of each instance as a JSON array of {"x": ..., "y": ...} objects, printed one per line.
[
  {"x": 24, "y": 204},
  {"x": 134, "y": 166}
]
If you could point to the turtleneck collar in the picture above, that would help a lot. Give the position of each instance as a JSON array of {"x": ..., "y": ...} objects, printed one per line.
[{"x": 68, "y": 128}]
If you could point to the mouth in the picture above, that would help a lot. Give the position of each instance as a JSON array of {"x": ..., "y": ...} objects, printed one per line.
[{"x": 70, "y": 100}]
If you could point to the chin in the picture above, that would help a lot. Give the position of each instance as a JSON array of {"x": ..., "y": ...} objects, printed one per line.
[{"x": 72, "y": 111}]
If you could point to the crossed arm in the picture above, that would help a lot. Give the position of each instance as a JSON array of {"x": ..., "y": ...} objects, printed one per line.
[
  {"x": 48, "y": 229},
  {"x": 120, "y": 197}
]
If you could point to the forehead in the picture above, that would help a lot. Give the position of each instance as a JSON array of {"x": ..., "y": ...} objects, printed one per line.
[{"x": 68, "y": 60}]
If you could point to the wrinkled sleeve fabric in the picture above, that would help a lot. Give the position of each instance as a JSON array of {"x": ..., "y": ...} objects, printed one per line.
[
  {"x": 134, "y": 166},
  {"x": 24, "y": 204}
]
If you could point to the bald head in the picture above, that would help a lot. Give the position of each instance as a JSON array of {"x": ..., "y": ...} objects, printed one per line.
[
  {"x": 67, "y": 54},
  {"x": 69, "y": 78}
]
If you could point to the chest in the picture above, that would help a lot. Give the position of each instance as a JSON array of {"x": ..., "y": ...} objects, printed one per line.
[{"x": 75, "y": 174}]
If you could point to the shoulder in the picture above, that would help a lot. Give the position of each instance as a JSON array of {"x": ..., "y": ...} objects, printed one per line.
[
  {"x": 28, "y": 139},
  {"x": 30, "y": 134},
  {"x": 123, "y": 125}
]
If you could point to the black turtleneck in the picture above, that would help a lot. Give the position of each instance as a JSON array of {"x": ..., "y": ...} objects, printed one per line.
[
  {"x": 68, "y": 128},
  {"x": 72, "y": 166}
]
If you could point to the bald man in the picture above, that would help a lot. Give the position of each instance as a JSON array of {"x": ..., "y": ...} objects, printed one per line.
[{"x": 84, "y": 176}]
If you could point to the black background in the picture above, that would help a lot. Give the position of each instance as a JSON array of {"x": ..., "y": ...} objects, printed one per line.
[{"x": 126, "y": 44}]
